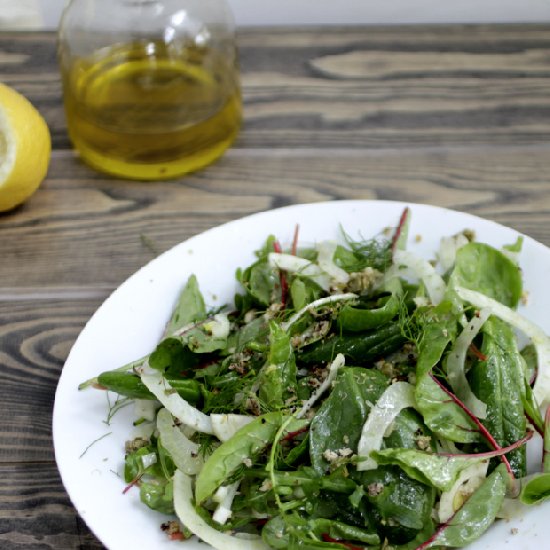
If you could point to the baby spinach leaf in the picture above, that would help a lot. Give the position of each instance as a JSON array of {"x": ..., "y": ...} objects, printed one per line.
[
  {"x": 256, "y": 331},
  {"x": 293, "y": 533},
  {"x": 401, "y": 506},
  {"x": 339, "y": 421},
  {"x": 358, "y": 319},
  {"x": 487, "y": 270},
  {"x": 247, "y": 443},
  {"x": 173, "y": 357},
  {"x": 303, "y": 292},
  {"x": 130, "y": 385},
  {"x": 277, "y": 378},
  {"x": 342, "y": 531},
  {"x": 532, "y": 409},
  {"x": 189, "y": 308},
  {"x": 438, "y": 327},
  {"x": 360, "y": 349},
  {"x": 444, "y": 418},
  {"x": 431, "y": 469},
  {"x": 475, "y": 517},
  {"x": 158, "y": 496},
  {"x": 142, "y": 461},
  {"x": 260, "y": 281},
  {"x": 529, "y": 354},
  {"x": 499, "y": 382},
  {"x": 536, "y": 490},
  {"x": 409, "y": 431}
]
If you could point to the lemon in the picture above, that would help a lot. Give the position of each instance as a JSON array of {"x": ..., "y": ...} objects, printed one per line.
[{"x": 25, "y": 148}]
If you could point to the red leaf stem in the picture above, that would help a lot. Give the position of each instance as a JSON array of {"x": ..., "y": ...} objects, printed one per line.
[
  {"x": 440, "y": 529},
  {"x": 282, "y": 276},
  {"x": 292, "y": 435},
  {"x": 328, "y": 538},
  {"x": 482, "y": 429},
  {"x": 399, "y": 229},
  {"x": 497, "y": 452},
  {"x": 477, "y": 352},
  {"x": 132, "y": 483}
]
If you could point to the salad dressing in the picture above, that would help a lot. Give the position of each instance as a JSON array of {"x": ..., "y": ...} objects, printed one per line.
[{"x": 139, "y": 110}]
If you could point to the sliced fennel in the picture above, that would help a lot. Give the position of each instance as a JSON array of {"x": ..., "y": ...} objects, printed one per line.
[
  {"x": 185, "y": 510},
  {"x": 456, "y": 373},
  {"x": 397, "y": 397},
  {"x": 225, "y": 426},
  {"x": 184, "y": 452},
  {"x": 468, "y": 481},
  {"x": 424, "y": 270},
  {"x": 538, "y": 337},
  {"x": 300, "y": 266},
  {"x": 224, "y": 496},
  {"x": 338, "y": 363},
  {"x": 325, "y": 260},
  {"x": 179, "y": 407}
]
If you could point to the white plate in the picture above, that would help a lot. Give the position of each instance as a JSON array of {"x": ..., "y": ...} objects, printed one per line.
[{"x": 129, "y": 324}]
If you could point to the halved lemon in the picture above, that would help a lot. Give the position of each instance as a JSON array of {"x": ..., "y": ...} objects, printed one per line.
[{"x": 25, "y": 148}]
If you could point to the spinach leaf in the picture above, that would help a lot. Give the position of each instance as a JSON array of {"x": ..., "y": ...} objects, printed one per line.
[
  {"x": 475, "y": 517},
  {"x": 140, "y": 462},
  {"x": 303, "y": 292},
  {"x": 401, "y": 506},
  {"x": 360, "y": 349},
  {"x": 409, "y": 431},
  {"x": 499, "y": 382},
  {"x": 485, "y": 269},
  {"x": 130, "y": 385},
  {"x": 342, "y": 531},
  {"x": 255, "y": 331},
  {"x": 438, "y": 327},
  {"x": 339, "y": 421},
  {"x": 158, "y": 496},
  {"x": 293, "y": 533},
  {"x": 536, "y": 490},
  {"x": 189, "y": 308},
  {"x": 173, "y": 357},
  {"x": 247, "y": 443},
  {"x": 260, "y": 281},
  {"x": 277, "y": 379},
  {"x": 431, "y": 469},
  {"x": 358, "y": 319}
]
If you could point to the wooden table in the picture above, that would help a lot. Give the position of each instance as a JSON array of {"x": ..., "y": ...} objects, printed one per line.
[{"x": 452, "y": 116}]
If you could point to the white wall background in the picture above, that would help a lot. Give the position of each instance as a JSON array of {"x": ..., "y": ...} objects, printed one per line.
[{"x": 33, "y": 13}]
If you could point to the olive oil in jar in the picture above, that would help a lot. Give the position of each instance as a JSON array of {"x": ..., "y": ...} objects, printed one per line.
[{"x": 150, "y": 110}]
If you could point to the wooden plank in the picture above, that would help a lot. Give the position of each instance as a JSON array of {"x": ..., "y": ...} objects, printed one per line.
[
  {"x": 84, "y": 229},
  {"x": 375, "y": 88},
  {"x": 35, "y": 511},
  {"x": 36, "y": 338}
]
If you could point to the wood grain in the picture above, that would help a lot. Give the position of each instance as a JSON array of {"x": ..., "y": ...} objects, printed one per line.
[
  {"x": 357, "y": 88},
  {"x": 35, "y": 511},
  {"x": 456, "y": 116},
  {"x": 85, "y": 229},
  {"x": 36, "y": 336}
]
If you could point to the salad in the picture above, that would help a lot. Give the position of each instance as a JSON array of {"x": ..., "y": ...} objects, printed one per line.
[{"x": 353, "y": 396}]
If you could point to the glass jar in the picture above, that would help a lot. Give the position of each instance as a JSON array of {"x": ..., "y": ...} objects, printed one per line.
[{"x": 151, "y": 87}]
